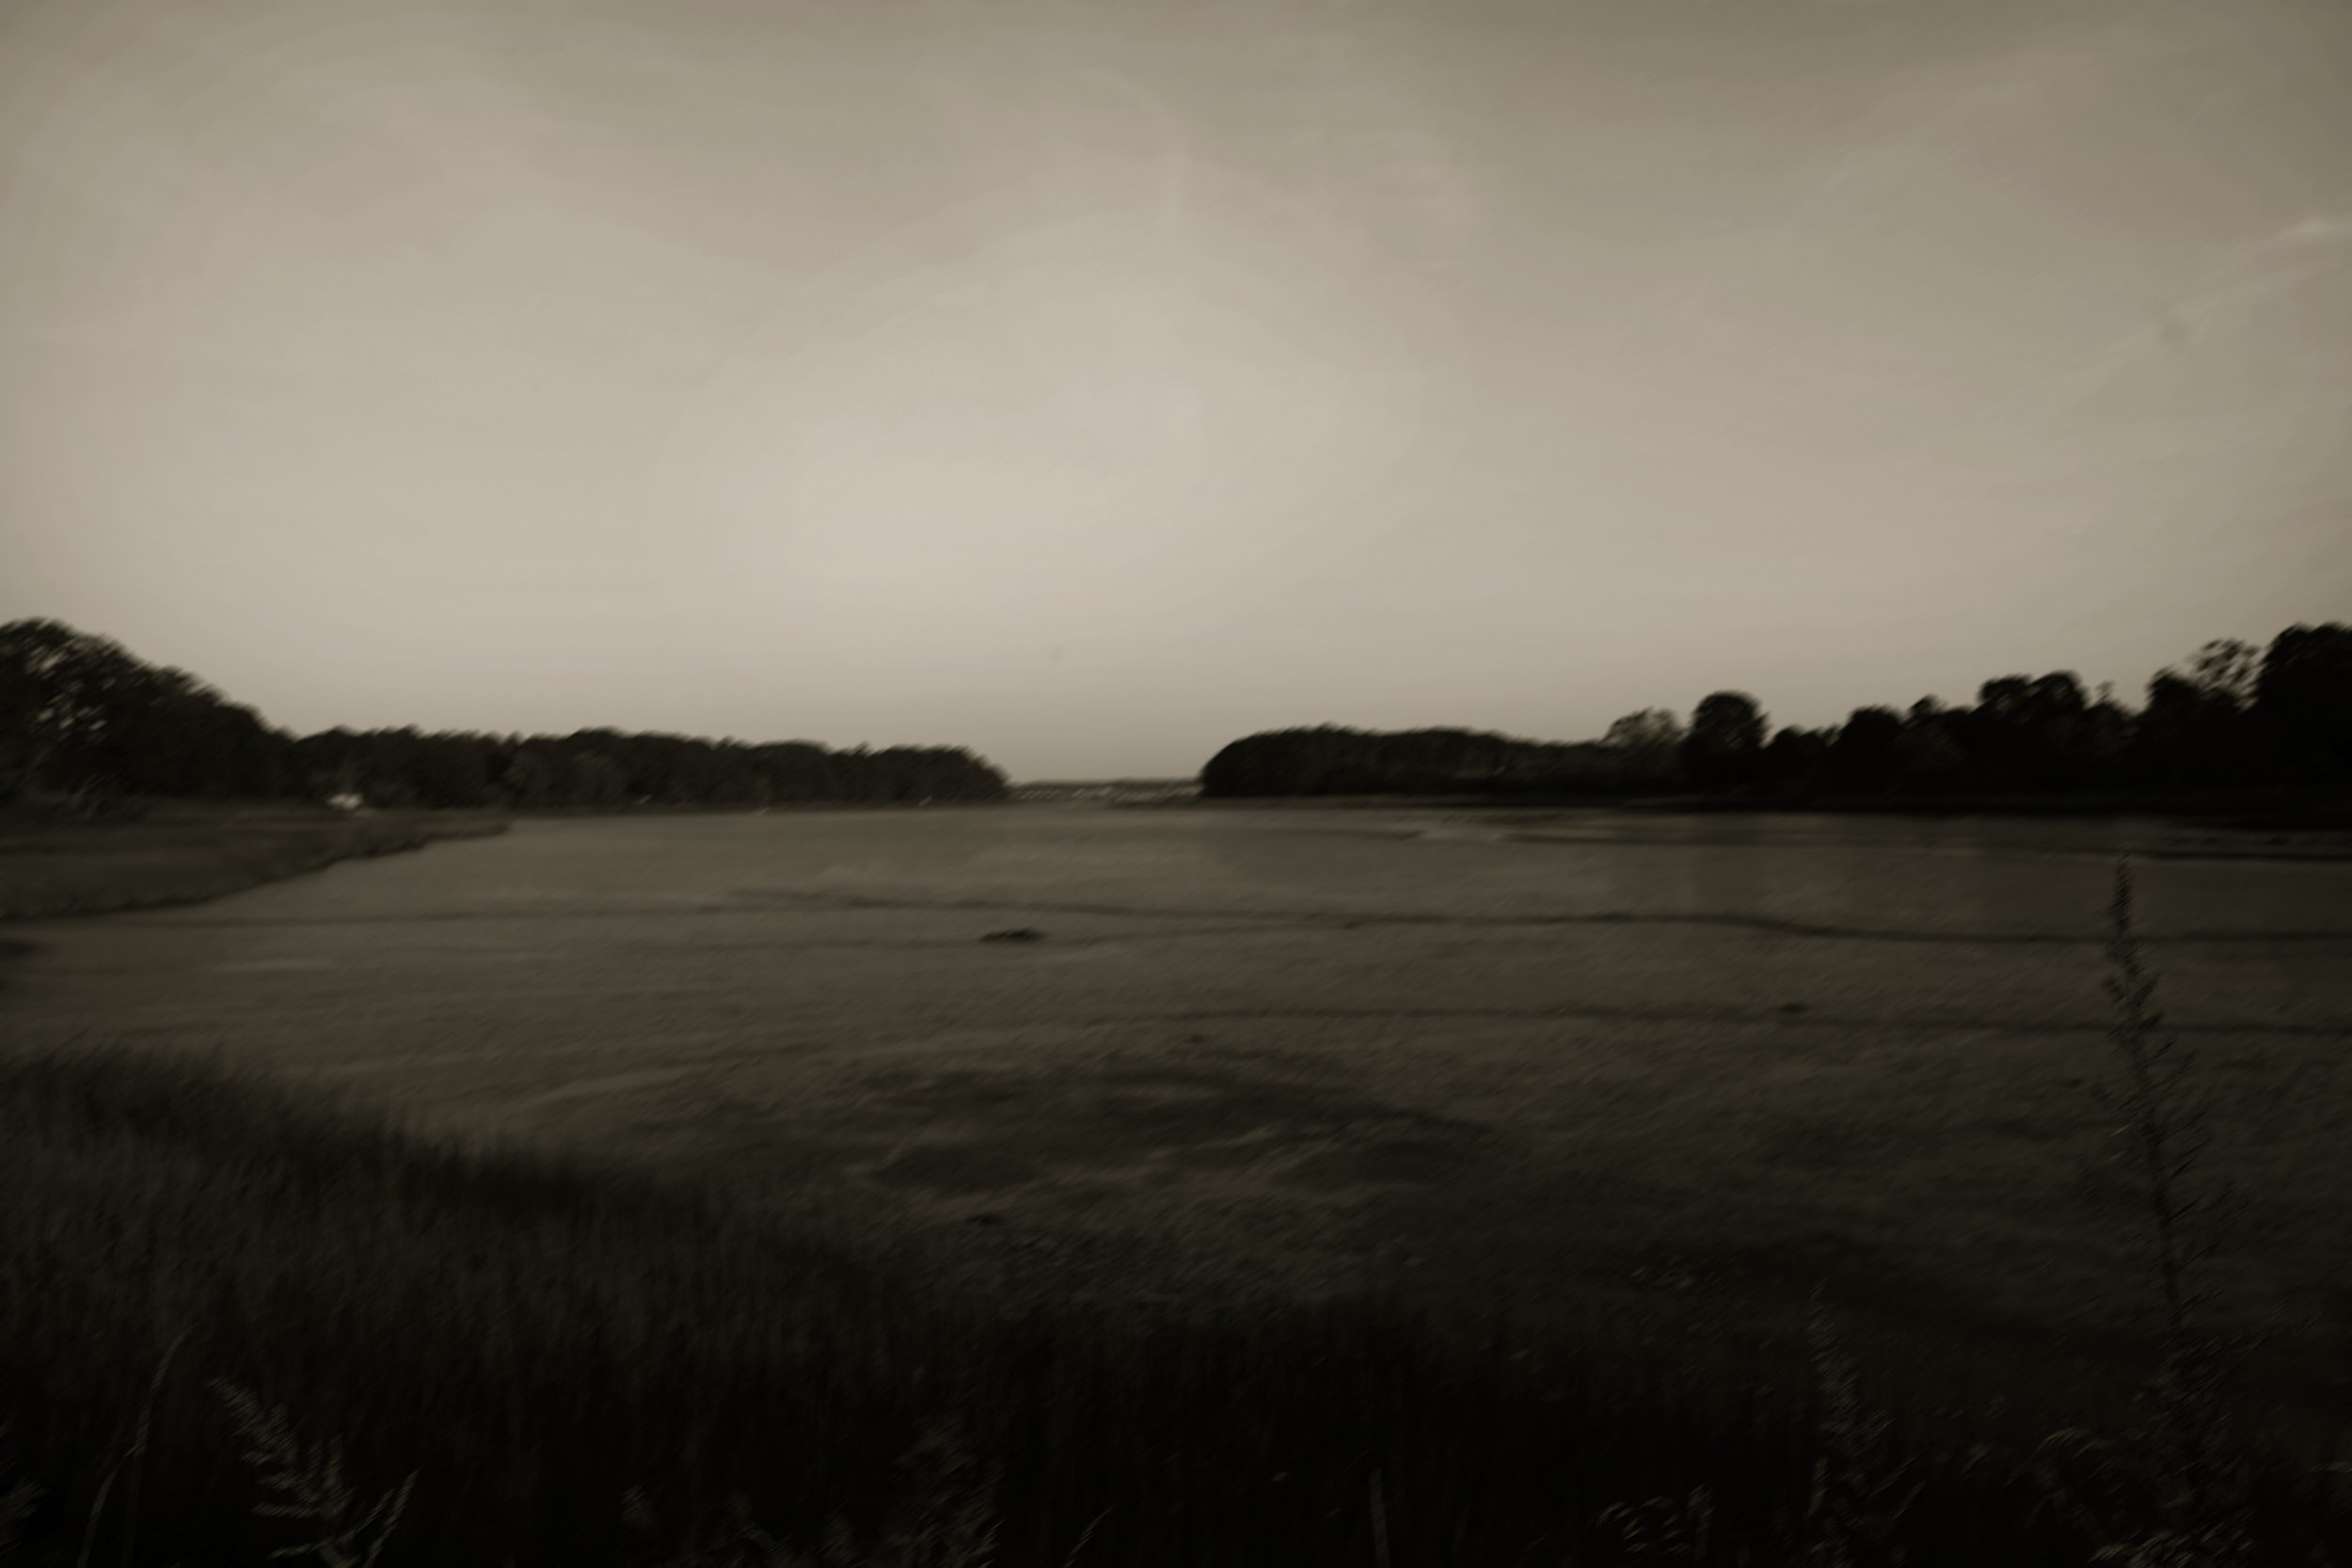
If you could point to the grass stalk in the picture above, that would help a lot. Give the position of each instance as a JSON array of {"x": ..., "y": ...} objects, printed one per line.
[
  {"x": 310, "y": 1479},
  {"x": 2198, "y": 1514}
]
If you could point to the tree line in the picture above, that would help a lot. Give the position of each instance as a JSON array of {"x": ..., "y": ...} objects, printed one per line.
[
  {"x": 82, "y": 719},
  {"x": 2232, "y": 717}
]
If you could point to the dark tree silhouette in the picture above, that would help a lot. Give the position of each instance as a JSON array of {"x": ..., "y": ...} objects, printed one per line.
[
  {"x": 1333, "y": 761},
  {"x": 1796, "y": 761},
  {"x": 1725, "y": 746},
  {"x": 1647, "y": 749},
  {"x": 1867, "y": 755},
  {"x": 2303, "y": 704},
  {"x": 56, "y": 685},
  {"x": 605, "y": 769},
  {"x": 2229, "y": 669},
  {"x": 2230, "y": 720},
  {"x": 80, "y": 718}
]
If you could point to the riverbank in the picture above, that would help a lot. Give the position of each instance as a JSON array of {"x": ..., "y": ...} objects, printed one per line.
[
  {"x": 184, "y": 852},
  {"x": 2241, "y": 811},
  {"x": 2256, "y": 810}
]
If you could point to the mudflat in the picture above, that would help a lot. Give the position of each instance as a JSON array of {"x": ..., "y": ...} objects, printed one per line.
[{"x": 1474, "y": 1058}]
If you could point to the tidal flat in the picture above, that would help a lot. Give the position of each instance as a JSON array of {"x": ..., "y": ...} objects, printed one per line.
[{"x": 1499, "y": 1059}]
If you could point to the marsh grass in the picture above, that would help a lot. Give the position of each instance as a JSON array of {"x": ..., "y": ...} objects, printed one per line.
[
  {"x": 579, "y": 1366},
  {"x": 16, "y": 1506},
  {"x": 305, "y": 1485},
  {"x": 2176, "y": 1488},
  {"x": 180, "y": 852}
]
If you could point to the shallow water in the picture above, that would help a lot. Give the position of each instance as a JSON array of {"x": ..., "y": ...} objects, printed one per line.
[{"x": 1756, "y": 1046}]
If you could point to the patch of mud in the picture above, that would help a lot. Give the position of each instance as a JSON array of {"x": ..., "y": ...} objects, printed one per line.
[
  {"x": 1421, "y": 1160},
  {"x": 1791, "y": 1267},
  {"x": 1227, "y": 1154},
  {"x": 761, "y": 1162},
  {"x": 611, "y": 1082},
  {"x": 2024, "y": 1129},
  {"x": 958, "y": 1168},
  {"x": 1153, "y": 1125},
  {"x": 1815, "y": 1143}
]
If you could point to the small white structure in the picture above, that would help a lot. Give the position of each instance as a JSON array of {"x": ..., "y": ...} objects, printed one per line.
[{"x": 348, "y": 800}]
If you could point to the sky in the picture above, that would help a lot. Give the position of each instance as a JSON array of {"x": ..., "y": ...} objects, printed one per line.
[{"x": 1094, "y": 382}]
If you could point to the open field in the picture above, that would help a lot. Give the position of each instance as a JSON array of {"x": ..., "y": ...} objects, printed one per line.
[
  {"x": 1658, "y": 1071},
  {"x": 182, "y": 852}
]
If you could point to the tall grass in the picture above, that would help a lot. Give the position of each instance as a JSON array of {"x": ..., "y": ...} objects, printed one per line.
[
  {"x": 184, "y": 852},
  {"x": 238, "y": 1326},
  {"x": 2192, "y": 1497}
]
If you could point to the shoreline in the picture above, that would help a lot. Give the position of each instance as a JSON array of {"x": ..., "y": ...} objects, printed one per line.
[
  {"x": 182, "y": 854},
  {"x": 2240, "y": 813}
]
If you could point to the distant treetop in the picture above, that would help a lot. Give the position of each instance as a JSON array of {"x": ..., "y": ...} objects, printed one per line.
[
  {"x": 83, "y": 719},
  {"x": 2234, "y": 719}
]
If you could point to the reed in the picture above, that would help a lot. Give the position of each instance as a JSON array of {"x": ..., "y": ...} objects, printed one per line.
[{"x": 2177, "y": 1489}]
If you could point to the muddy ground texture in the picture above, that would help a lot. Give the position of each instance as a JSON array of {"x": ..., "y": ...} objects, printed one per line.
[{"x": 1536, "y": 1067}]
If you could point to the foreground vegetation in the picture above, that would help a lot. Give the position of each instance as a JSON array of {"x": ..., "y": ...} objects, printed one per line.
[
  {"x": 55, "y": 862},
  {"x": 235, "y": 1324}
]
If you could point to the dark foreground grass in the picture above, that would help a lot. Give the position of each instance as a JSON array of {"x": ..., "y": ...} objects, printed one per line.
[
  {"x": 533, "y": 1362},
  {"x": 180, "y": 852}
]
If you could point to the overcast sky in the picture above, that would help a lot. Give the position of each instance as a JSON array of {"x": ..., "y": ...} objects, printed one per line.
[{"x": 1092, "y": 382}]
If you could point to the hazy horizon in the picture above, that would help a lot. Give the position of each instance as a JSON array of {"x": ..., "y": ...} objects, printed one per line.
[{"x": 1090, "y": 383}]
